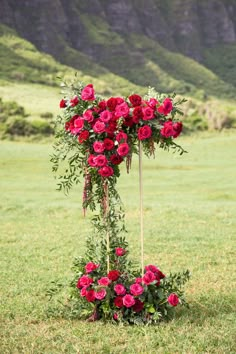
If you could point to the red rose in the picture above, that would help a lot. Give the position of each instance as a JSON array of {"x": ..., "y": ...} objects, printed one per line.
[
  {"x": 90, "y": 295},
  {"x": 106, "y": 171},
  {"x": 83, "y": 136},
  {"x": 110, "y": 129},
  {"x": 144, "y": 132},
  {"x": 149, "y": 277},
  {"x": 136, "y": 289},
  {"x": 99, "y": 127},
  {"x": 138, "y": 306},
  {"x": 173, "y": 299},
  {"x": 137, "y": 114},
  {"x": 166, "y": 107},
  {"x": 167, "y": 131},
  {"x": 105, "y": 116},
  {"x": 99, "y": 295},
  {"x": 121, "y": 137},
  {"x": 74, "y": 101},
  {"x": 98, "y": 146},
  {"x": 116, "y": 159},
  {"x": 120, "y": 251},
  {"x": 112, "y": 103},
  {"x": 123, "y": 149},
  {"x": 108, "y": 144},
  {"x": 122, "y": 110},
  {"x": 62, "y": 103},
  {"x": 177, "y": 127},
  {"x": 84, "y": 281},
  {"x": 100, "y": 160},
  {"x": 87, "y": 94},
  {"x": 104, "y": 281},
  {"x": 152, "y": 103},
  {"x": 151, "y": 267},
  {"x": 90, "y": 267},
  {"x": 120, "y": 100},
  {"x": 88, "y": 116},
  {"x": 159, "y": 274},
  {"x": 118, "y": 301},
  {"x": 148, "y": 113},
  {"x": 115, "y": 316},
  {"x": 135, "y": 100},
  {"x": 91, "y": 160},
  {"x": 128, "y": 300},
  {"x": 128, "y": 122},
  {"x": 113, "y": 275},
  {"x": 67, "y": 126},
  {"x": 102, "y": 105},
  {"x": 119, "y": 289}
]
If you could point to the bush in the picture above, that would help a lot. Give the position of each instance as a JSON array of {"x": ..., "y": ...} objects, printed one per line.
[
  {"x": 22, "y": 127},
  {"x": 46, "y": 115}
]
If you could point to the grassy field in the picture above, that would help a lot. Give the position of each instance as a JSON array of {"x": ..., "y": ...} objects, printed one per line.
[{"x": 190, "y": 208}]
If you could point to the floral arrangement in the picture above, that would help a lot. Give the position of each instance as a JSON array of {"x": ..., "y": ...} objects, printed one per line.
[{"x": 95, "y": 136}]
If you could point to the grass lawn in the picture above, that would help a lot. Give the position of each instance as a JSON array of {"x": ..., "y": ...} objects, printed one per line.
[{"x": 190, "y": 208}]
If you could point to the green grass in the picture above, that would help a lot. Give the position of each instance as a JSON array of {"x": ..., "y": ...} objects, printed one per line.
[{"x": 190, "y": 208}]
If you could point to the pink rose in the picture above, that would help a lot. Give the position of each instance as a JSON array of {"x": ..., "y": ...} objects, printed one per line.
[
  {"x": 88, "y": 116},
  {"x": 99, "y": 295},
  {"x": 74, "y": 101},
  {"x": 100, "y": 160},
  {"x": 173, "y": 299},
  {"x": 149, "y": 277},
  {"x": 167, "y": 131},
  {"x": 123, "y": 149},
  {"x": 106, "y": 116},
  {"x": 87, "y": 94},
  {"x": 84, "y": 281},
  {"x": 119, "y": 289},
  {"x": 108, "y": 144},
  {"x": 148, "y": 113},
  {"x": 90, "y": 267},
  {"x": 99, "y": 127},
  {"x": 98, "y": 146},
  {"x": 128, "y": 300},
  {"x": 121, "y": 137},
  {"x": 136, "y": 289},
  {"x": 90, "y": 295},
  {"x": 106, "y": 171},
  {"x": 152, "y": 103},
  {"x": 138, "y": 280},
  {"x": 104, "y": 281},
  {"x": 91, "y": 160},
  {"x": 83, "y": 292},
  {"x": 115, "y": 316},
  {"x": 79, "y": 124},
  {"x": 62, "y": 103},
  {"x": 166, "y": 107},
  {"x": 122, "y": 110},
  {"x": 144, "y": 132},
  {"x": 120, "y": 251}
]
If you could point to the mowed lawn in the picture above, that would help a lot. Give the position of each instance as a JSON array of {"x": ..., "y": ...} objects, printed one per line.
[{"x": 190, "y": 222}]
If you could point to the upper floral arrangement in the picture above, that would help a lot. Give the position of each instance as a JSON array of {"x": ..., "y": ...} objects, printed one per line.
[{"x": 103, "y": 133}]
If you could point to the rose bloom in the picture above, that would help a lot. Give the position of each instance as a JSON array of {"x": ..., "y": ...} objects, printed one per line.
[
  {"x": 123, "y": 149},
  {"x": 138, "y": 306},
  {"x": 177, "y": 128},
  {"x": 121, "y": 137},
  {"x": 87, "y": 94},
  {"x": 100, "y": 160},
  {"x": 104, "y": 281},
  {"x": 152, "y": 103},
  {"x": 99, "y": 127},
  {"x": 91, "y": 160},
  {"x": 138, "y": 280},
  {"x": 137, "y": 114},
  {"x": 119, "y": 289},
  {"x": 102, "y": 105},
  {"x": 83, "y": 136},
  {"x": 149, "y": 277},
  {"x": 116, "y": 159},
  {"x": 88, "y": 116},
  {"x": 136, "y": 289},
  {"x": 110, "y": 129},
  {"x": 135, "y": 100},
  {"x": 128, "y": 122},
  {"x": 99, "y": 295},
  {"x": 128, "y": 300},
  {"x": 112, "y": 103},
  {"x": 122, "y": 110},
  {"x": 90, "y": 295},
  {"x": 62, "y": 103},
  {"x": 148, "y": 113},
  {"x": 84, "y": 281},
  {"x": 159, "y": 274},
  {"x": 98, "y": 146},
  {"x": 106, "y": 171},
  {"x": 120, "y": 100},
  {"x": 144, "y": 132},
  {"x": 108, "y": 144},
  {"x": 173, "y": 299},
  {"x": 115, "y": 316},
  {"x": 167, "y": 131},
  {"x": 83, "y": 292},
  {"x": 166, "y": 107},
  {"x": 118, "y": 301},
  {"x": 79, "y": 124},
  {"x": 120, "y": 251},
  {"x": 90, "y": 267},
  {"x": 151, "y": 267},
  {"x": 105, "y": 116},
  {"x": 74, "y": 101},
  {"x": 113, "y": 275}
]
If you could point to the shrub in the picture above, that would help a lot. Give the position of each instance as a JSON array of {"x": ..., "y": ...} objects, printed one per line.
[{"x": 46, "y": 115}]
